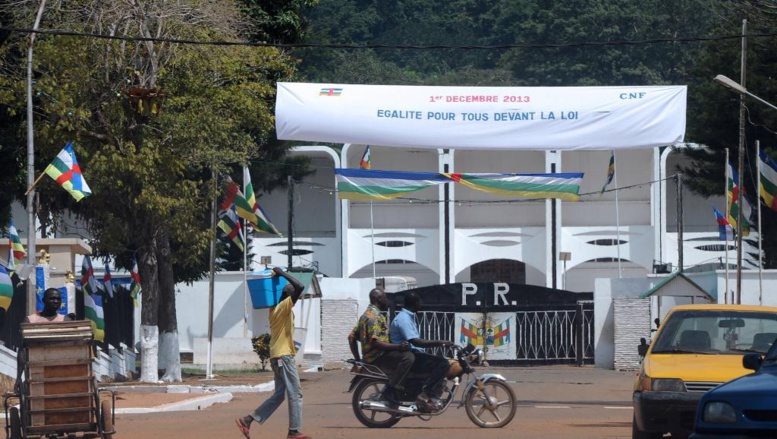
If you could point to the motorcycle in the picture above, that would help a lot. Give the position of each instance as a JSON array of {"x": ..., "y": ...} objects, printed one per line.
[{"x": 488, "y": 399}]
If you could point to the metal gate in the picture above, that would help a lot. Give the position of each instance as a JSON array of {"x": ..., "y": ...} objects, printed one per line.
[
  {"x": 542, "y": 336},
  {"x": 556, "y": 336},
  {"x": 551, "y": 326}
]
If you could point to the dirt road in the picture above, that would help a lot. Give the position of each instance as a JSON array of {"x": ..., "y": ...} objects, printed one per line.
[{"x": 555, "y": 402}]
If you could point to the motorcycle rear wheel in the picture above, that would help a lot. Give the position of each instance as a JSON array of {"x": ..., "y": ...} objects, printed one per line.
[
  {"x": 369, "y": 390},
  {"x": 494, "y": 411}
]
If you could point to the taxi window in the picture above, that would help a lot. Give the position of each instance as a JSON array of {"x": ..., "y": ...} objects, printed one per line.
[{"x": 724, "y": 332}]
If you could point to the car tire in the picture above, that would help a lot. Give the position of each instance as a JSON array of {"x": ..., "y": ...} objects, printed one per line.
[{"x": 636, "y": 433}]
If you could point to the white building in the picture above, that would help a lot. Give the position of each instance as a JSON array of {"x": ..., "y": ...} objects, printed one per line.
[{"x": 467, "y": 235}]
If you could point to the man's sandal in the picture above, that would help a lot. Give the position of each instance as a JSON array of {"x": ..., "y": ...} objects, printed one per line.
[{"x": 243, "y": 428}]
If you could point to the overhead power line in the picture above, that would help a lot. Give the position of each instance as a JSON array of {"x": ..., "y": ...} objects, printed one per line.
[{"x": 59, "y": 32}]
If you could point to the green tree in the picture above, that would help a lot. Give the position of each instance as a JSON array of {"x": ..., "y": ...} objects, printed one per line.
[{"x": 155, "y": 124}]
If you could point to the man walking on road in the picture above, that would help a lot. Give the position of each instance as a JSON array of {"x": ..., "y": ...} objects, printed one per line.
[{"x": 284, "y": 367}]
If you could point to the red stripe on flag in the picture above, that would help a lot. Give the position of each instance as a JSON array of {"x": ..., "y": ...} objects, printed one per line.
[
  {"x": 66, "y": 176},
  {"x": 456, "y": 177},
  {"x": 468, "y": 333}
]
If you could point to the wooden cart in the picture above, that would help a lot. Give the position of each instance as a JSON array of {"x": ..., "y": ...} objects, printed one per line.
[{"x": 55, "y": 392}]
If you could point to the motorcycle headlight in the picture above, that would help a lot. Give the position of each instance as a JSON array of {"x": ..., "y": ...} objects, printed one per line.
[{"x": 719, "y": 413}]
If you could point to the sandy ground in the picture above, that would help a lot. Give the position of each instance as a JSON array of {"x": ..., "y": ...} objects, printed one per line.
[{"x": 554, "y": 402}]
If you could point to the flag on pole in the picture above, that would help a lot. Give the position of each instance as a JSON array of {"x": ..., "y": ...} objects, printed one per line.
[
  {"x": 17, "y": 250},
  {"x": 249, "y": 210},
  {"x": 6, "y": 289},
  {"x": 107, "y": 281},
  {"x": 733, "y": 195},
  {"x": 229, "y": 223},
  {"x": 726, "y": 233},
  {"x": 366, "y": 161},
  {"x": 135, "y": 284},
  {"x": 93, "y": 299},
  {"x": 248, "y": 188},
  {"x": 610, "y": 171},
  {"x": 66, "y": 172},
  {"x": 768, "y": 187}
]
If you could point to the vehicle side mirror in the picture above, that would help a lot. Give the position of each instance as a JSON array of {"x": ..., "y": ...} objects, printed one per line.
[{"x": 752, "y": 361}]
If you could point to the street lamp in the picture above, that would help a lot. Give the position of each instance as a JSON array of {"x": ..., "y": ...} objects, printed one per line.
[
  {"x": 737, "y": 88},
  {"x": 31, "y": 229},
  {"x": 742, "y": 91}
]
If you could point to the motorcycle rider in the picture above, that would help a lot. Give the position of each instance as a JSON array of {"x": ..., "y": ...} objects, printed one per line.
[
  {"x": 395, "y": 359},
  {"x": 404, "y": 329}
]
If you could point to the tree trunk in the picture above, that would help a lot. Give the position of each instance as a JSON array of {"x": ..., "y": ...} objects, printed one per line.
[
  {"x": 149, "y": 339},
  {"x": 169, "y": 351}
]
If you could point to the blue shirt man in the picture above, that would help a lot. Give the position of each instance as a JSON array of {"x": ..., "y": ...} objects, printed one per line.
[{"x": 404, "y": 328}]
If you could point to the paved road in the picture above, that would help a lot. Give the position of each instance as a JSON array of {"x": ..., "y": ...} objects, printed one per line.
[{"x": 555, "y": 402}]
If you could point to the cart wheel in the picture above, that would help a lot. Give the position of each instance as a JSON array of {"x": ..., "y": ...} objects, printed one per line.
[
  {"x": 16, "y": 423},
  {"x": 106, "y": 419}
]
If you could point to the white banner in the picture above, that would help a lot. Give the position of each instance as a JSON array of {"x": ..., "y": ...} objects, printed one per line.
[{"x": 534, "y": 118}]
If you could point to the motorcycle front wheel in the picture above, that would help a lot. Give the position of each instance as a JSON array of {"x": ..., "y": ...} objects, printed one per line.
[
  {"x": 370, "y": 390},
  {"x": 492, "y": 407}
]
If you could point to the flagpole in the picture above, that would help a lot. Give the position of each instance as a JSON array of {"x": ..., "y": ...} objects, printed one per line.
[
  {"x": 725, "y": 192},
  {"x": 617, "y": 214},
  {"x": 32, "y": 186},
  {"x": 760, "y": 255},
  {"x": 211, "y": 281},
  {"x": 245, "y": 278},
  {"x": 372, "y": 241}
]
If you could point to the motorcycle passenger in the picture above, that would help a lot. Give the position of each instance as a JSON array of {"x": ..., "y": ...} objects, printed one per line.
[
  {"x": 404, "y": 329},
  {"x": 372, "y": 331}
]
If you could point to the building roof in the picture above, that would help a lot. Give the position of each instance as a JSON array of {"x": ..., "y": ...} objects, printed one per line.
[{"x": 678, "y": 284}]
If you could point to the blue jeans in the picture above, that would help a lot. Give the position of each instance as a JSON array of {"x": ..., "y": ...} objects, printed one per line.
[{"x": 286, "y": 383}]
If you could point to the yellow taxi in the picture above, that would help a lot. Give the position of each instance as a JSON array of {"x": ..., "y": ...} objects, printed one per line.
[{"x": 696, "y": 348}]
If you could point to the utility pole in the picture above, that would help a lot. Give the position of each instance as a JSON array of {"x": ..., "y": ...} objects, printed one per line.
[
  {"x": 740, "y": 197},
  {"x": 31, "y": 252}
]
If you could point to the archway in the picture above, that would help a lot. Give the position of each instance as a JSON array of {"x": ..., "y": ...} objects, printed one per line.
[
  {"x": 400, "y": 269},
  {"x": 502, "y": 270},
  {"x": 581, "y": 277}
]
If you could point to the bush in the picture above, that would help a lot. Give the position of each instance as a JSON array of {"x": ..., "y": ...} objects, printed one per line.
[{"x": 261, "y": 346}]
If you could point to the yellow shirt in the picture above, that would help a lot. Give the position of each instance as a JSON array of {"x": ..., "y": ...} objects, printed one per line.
[{"x": 282, "y": 329}]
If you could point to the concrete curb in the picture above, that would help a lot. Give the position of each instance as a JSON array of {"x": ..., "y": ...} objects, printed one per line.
[
  {"x": 188, "y": 405},
  {"x": 182, "y": 388},
  {"x": 264, "y": 387}
]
